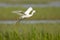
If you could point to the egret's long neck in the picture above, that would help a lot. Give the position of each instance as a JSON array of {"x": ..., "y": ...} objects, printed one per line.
[{"x": 32, "y": 12}]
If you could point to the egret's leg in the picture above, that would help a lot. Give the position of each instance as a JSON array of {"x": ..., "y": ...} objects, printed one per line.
[{"x": 18, "y": 20}]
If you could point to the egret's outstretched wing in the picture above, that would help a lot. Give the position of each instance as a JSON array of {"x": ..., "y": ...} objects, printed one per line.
[
  {"x": 18, "y": 12},
  {"x": 28, "y": 11}
]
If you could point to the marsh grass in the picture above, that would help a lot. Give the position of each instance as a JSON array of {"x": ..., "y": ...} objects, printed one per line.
[
  {"x": 30, "y": 31},
  {"x": 41, "y": 13},
  {"x": 27, "y": 1},
  {"x": 33, "y": 36}
]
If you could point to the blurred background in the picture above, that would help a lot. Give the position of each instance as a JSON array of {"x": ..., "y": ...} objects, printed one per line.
[
  {"x": 43, "y": 25},
  {"x": 46, "y": 9}
]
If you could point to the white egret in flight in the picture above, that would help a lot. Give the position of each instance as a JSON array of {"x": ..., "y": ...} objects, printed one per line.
[{"x": 28, "y": 13}]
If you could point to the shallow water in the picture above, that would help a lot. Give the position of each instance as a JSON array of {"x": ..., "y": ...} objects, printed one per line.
[
  {"x": 50, "y": 4},
  {"x": 30, "y": 21}
]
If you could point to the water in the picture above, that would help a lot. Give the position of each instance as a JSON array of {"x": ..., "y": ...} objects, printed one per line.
[
  {"x": 50, "y": 4},
  {"x": 30, "y": 21}
]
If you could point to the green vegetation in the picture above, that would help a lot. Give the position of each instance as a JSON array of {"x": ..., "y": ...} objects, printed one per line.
[
  {"x": 41, "y": 13},
  {"x": 30, "y": 31},
  {"x": 27, "y": 1}
]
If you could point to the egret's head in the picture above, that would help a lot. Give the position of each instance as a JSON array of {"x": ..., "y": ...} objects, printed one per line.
[{"x": 33, "y": 12}]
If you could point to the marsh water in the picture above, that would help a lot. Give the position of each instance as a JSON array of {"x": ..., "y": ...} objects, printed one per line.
[
  {"x": 30, "y": 21},
  {"x": 50, "y": 4}
]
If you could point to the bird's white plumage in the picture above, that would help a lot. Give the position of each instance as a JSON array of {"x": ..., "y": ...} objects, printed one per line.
[{"x": 28, "y": 13}]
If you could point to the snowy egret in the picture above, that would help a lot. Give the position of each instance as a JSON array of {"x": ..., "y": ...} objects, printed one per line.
[{"x": 28, "y": 13}]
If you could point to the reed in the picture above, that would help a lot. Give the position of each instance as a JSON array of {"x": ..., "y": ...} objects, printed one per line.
[{"x": 30, "y": 31}]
